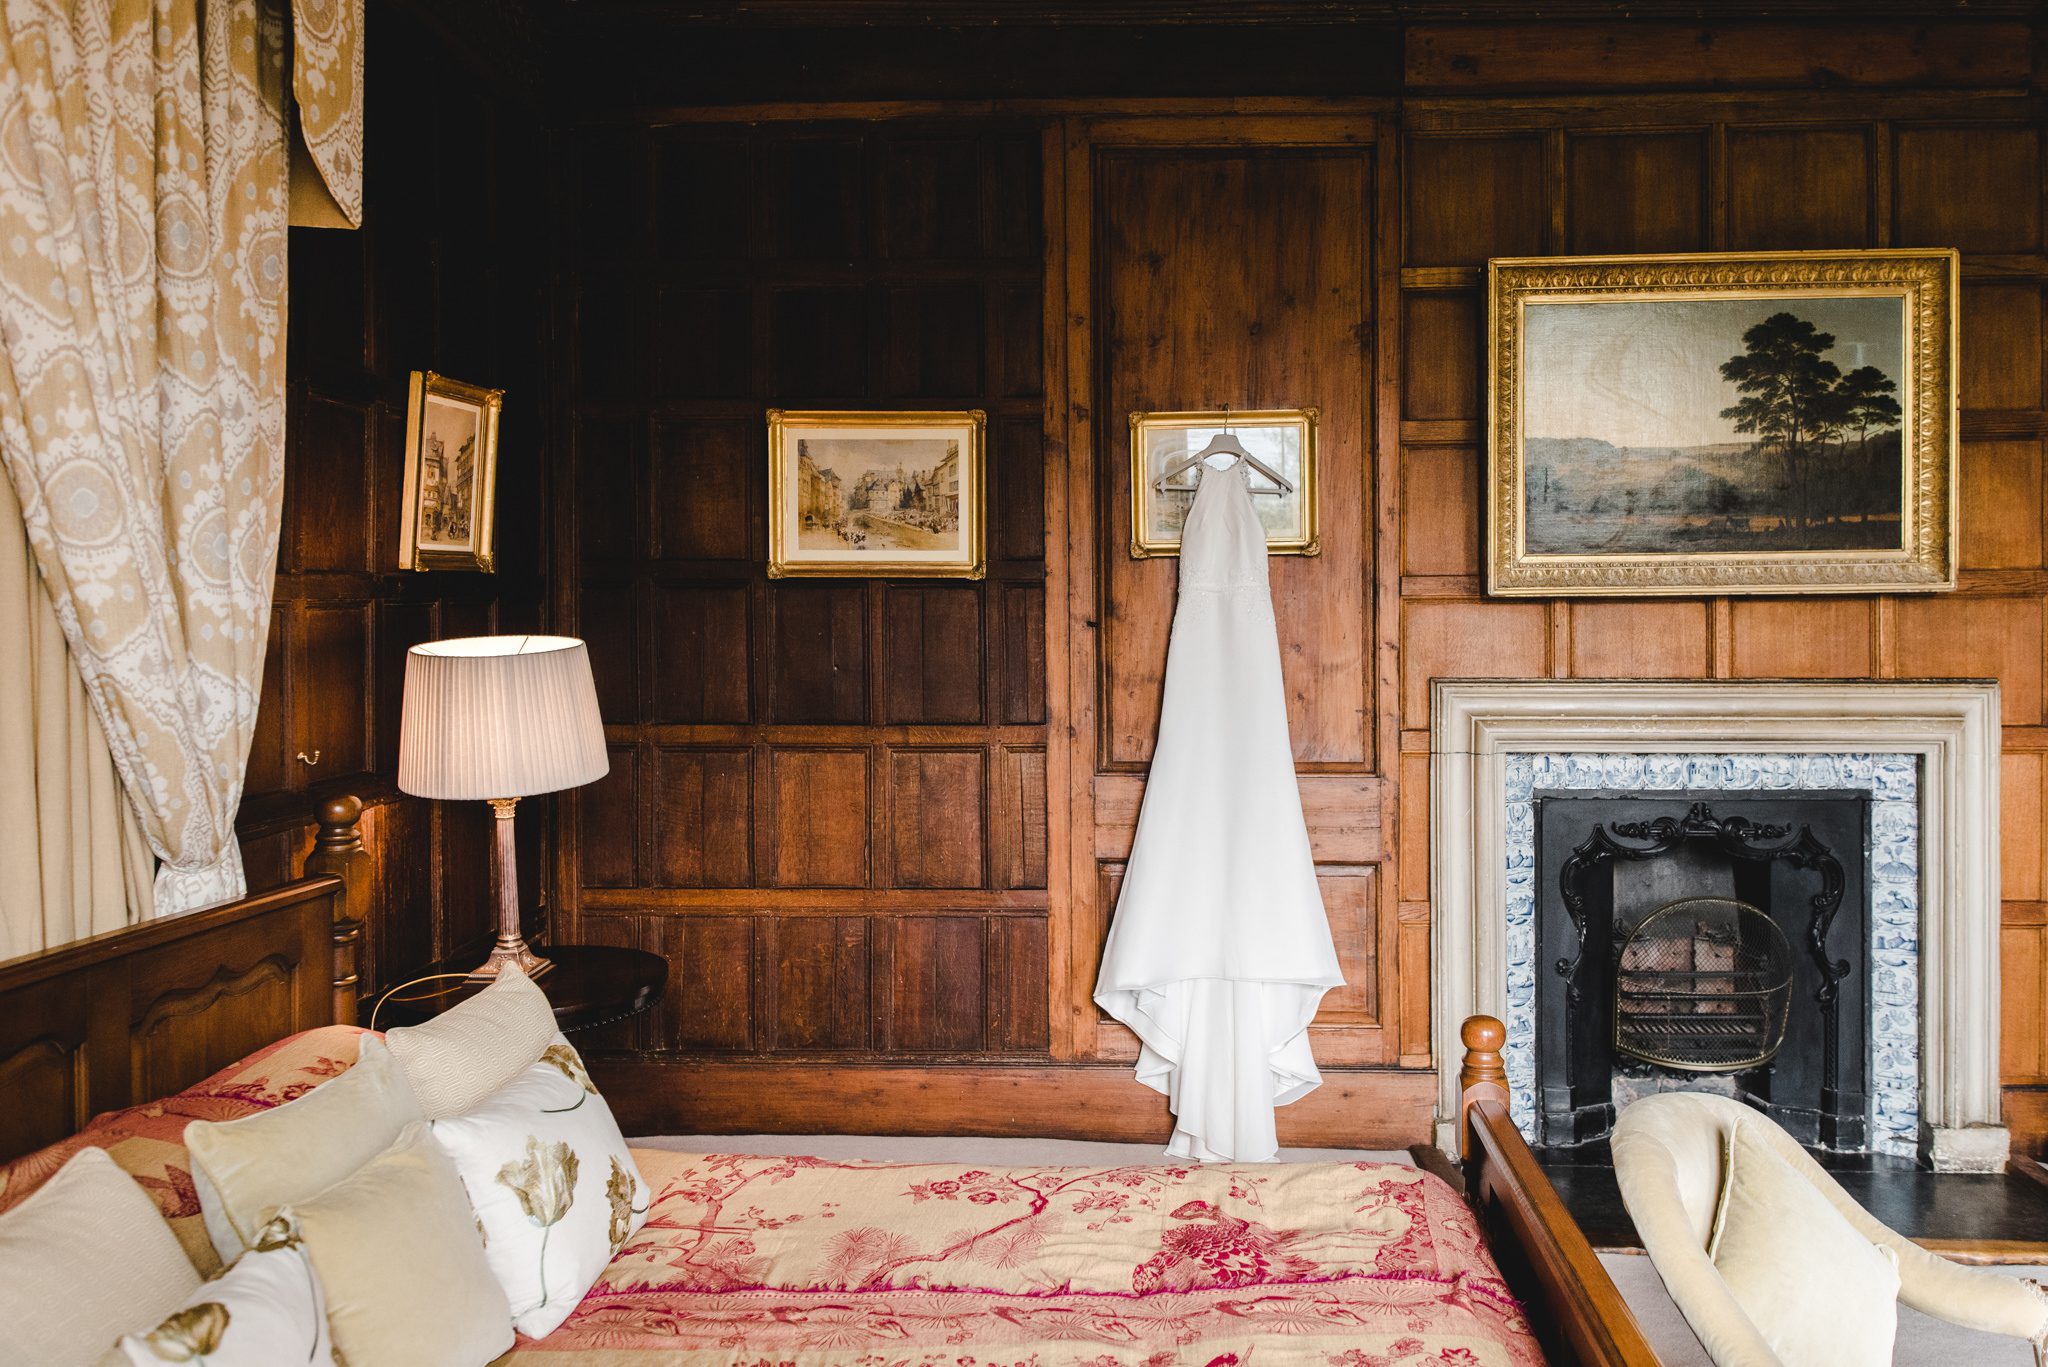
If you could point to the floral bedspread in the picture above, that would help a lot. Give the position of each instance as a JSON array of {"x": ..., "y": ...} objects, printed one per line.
[
  {"x": 797, "y": 1262},
  {"x": 148, "y": 1141}
]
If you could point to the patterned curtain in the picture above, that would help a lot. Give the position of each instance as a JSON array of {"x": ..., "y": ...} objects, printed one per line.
[{"x": 142, "y": 315}]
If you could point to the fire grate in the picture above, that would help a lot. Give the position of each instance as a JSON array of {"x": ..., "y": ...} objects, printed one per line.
[{"x": 1703, "y": 985}]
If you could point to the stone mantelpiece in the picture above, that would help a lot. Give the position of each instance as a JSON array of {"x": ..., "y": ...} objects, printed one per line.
[{"x": 1949, "y": 727}]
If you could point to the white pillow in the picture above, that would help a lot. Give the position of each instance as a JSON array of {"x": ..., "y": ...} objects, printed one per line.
[
  {"x": 86, "y": 1253},
  {"x": 401, "y": 1264},
  {"x": 264, "y": 1311},
  {"x": 1820, "y": 1293},
  {"x": 245, "y": 1169},
  {"x": 554, "y": 1186},
  {"x": 458, "y": 1059}
]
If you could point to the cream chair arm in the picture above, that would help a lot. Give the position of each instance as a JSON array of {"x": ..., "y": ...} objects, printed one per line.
[
  {"x": 1649, "y": 1178},
  {"x": 1931, "y": 1284}
]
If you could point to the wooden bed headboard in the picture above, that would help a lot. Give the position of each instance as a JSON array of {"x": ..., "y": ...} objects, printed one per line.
[{"x": 149, "y": 1009}]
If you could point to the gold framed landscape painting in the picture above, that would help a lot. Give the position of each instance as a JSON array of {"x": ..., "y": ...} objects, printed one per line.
[
  {"x": 876, "y": 495},
  {"x": 1727, "y": 423},
  {"x": 1283, "y": 439},
  {"x": 451, "y": 475}
]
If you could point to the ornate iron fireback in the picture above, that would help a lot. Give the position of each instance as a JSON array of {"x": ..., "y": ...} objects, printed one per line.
[{"x": 1703, "y": 985}]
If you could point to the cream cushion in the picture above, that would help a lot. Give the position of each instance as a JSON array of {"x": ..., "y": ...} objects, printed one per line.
[
  {"x": 1668, "y": 1156},
  {"x": 553, "y": 1184},
  {"x": 85, "y": 1255},
  {"x": 245, "y": 1169},
  {"x": 263, "y": 1311},
  {"x": 1820, "y": 1293},
  {"x": 400, "y": 1261},
  {"x": 471, "y": 1050}
]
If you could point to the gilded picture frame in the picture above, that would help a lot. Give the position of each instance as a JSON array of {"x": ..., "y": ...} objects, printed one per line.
[
  {"x": 1283, "y": 438},
  {"x": 1729, "y": 423},
  {"x": 449, "y": 517},
  {"x": 877, "y": 494}
]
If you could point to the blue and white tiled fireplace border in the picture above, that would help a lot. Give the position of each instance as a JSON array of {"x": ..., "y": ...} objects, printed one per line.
[
  {"x": 1893, "y": 783},
  {"x": 1927, "y": 752}
]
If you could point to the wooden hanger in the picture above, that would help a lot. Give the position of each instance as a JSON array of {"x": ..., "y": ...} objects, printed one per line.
[{"x": 1222, "y": 444}]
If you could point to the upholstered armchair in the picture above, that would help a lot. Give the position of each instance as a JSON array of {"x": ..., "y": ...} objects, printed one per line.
[{"x": 1668, "y": 1156}]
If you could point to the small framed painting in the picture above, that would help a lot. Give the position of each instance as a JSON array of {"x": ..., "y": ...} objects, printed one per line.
[
  {"x": 1282, "y": 439},
  {"x": 1729, "y": 423},
  {"x": 875, "y": 495},
  {"x": 451, "y": 475}
]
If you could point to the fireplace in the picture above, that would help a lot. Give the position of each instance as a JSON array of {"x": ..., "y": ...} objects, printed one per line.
[
  {"x": 1694, "y": 940},
  {"x": 1926, "y": 752}
]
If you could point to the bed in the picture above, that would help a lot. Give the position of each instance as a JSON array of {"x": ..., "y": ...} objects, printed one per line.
[{"x": 122, "y": 1040}]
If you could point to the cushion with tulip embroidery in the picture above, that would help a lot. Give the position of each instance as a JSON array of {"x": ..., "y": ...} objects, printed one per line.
[
  {"x": 265, "y": 1311},
  {"x": 555, "y": 1188}
]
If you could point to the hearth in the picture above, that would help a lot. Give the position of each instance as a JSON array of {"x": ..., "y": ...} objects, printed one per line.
[{"x": 1703, "y": 940}]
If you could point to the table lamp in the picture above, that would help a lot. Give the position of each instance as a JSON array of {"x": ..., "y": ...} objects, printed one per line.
[{"x": 495, "y": 719}]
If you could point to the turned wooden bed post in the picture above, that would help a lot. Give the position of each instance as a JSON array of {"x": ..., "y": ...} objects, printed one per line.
[
  {"x": 1484, "y": 1076},
  {"x": 338, "y": 850}
]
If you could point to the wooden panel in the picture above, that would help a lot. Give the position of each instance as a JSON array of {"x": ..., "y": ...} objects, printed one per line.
[
  {"x": 700, "y": 653},
  {"x": 701, "y": 474},
  {"x": 607, "y": 819},
  {"x": 2002, "y": 508},
  {"x": 1342, "y": 812},
  {"x": 932, "y": 340},
  {"x": 1298, "y": 325},
  {"x": 703, "y": 342},
  {"x": 1804, "y": 638},
  {"x": 2023, "y": 965},
  {"x": 1020, "y": 819},
  {"x": 2021, "y": 845},
  {"x": 708, "y": 1004},
  {"x": 820, "y": 653},
  {"x": 1018, "y": 966},
  {"x": 333, "y": 715},
  {"x": 1798, "y": 188},
  {"x": 268, "y": 771},
  {"x": 1474, "y": 197},
  {"x": 1351, "y": 900},
  {"x": 1382, "y": 1109},
  {"x": 1441, "y": 346},
  {"x": 1639, "y": 55},
  {"x": 820, "y": 344},
  {"x": 818, "y": 831},
  {"x": 1017, "y": 507},
  {"x": 1977, "y": 638},
  {"x": 936, "y": 978},
  {"x": 610, "y": 454},
  {"x": 700, "y": 806},
  {"x": 1959, "y": 187},
  {"x": 1643, "y": 192},
  {"x": 1639, "y": 640},
  {"x": 330, "y": 501},
  {"x": 816, "y": 979},
  {"x": 931, "y": 654},
  {"x": 936, "y": 804},
  {"x": 2002, "y": 367},
  {"x": 1024, "y": 662},
  {"x": 930, "y": 197},
  {"x": 1467, "y": 641},
  {"x": 1441, "y": 512},
  {"x": 181, "y": 1033}
]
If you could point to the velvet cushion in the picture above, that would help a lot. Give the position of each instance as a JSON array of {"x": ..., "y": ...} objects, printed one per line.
[
  {"x": 1820, "y": 1293},
  {"x": 471, "y": 1050}
]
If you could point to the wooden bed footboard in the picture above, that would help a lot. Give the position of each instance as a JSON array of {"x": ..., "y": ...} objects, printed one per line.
[
  {"x": 1574, "y": 1307},
  {"x": 147, "y": 1010}
]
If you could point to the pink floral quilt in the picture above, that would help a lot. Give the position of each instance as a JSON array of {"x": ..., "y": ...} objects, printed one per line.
[{"x": 799, "y": 1262}]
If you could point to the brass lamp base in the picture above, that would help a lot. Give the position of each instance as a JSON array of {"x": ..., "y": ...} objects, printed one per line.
[{"x": 511, "y": 946}]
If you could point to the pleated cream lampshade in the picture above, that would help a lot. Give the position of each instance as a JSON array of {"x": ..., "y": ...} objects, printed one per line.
[{"x": 499, "y": 716}]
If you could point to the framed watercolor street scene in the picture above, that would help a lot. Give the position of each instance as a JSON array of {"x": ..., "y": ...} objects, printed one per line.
[
  {"x": 881, "y": 495},
  {"x": 451, "y": 475}
]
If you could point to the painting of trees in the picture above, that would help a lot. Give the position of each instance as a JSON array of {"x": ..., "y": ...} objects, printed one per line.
[{"x": 1797, "y": 403}]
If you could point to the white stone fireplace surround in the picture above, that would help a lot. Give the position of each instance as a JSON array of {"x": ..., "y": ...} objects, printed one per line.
[{"x": 1950, "y": 726}]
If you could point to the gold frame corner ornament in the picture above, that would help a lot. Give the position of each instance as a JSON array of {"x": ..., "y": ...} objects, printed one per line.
[
  {"x": 1928, "y": 281},
  {"x": 971, "y": 564},
  {"x": 1309, "y": 419},
  {"x": 490, "y": 405}
]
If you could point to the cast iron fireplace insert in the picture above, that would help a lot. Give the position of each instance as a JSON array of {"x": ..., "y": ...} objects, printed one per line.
[{"x": 1703, "y": 941}]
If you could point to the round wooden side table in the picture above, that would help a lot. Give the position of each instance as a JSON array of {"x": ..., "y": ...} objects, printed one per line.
[{"x": 591, "y": 985}]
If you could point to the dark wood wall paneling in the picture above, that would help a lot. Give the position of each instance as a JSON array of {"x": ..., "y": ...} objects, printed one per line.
[
  {"x": 448, "y": 273},
  {"x": 827, "y": 804}
]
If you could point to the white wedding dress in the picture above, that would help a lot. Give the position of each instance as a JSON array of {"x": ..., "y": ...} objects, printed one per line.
[{"x": 1220, "y": 950}]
